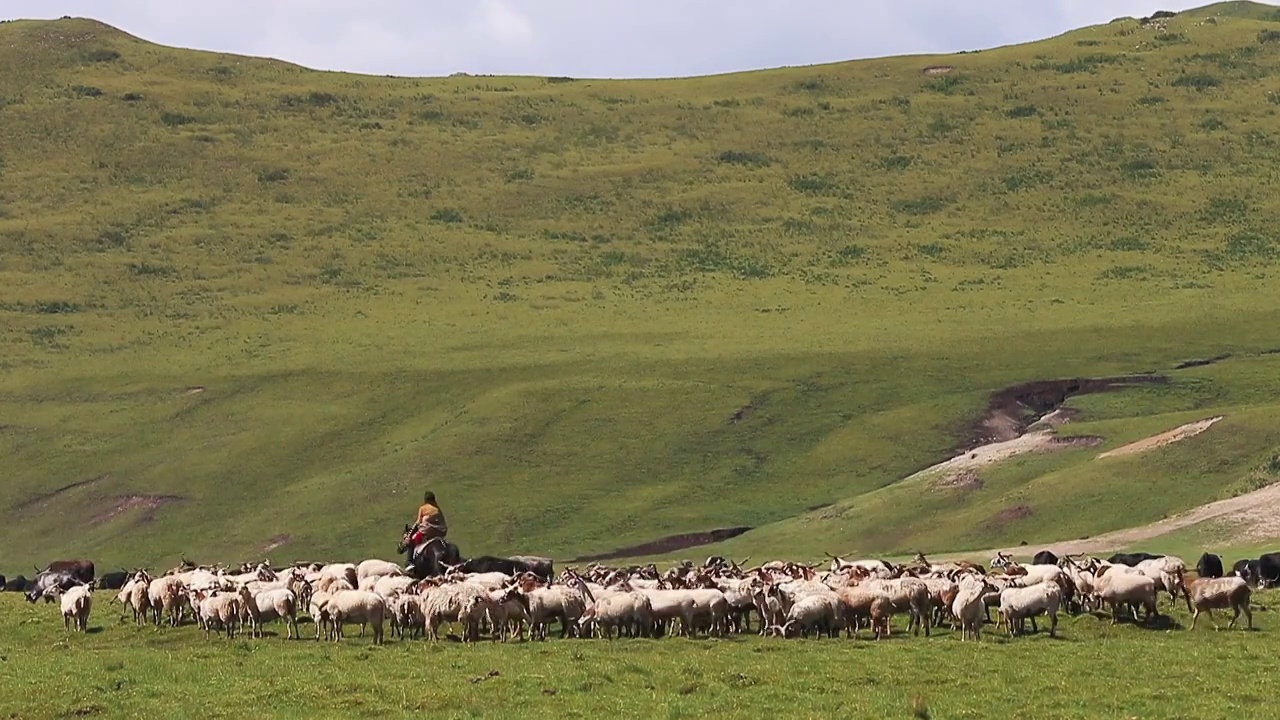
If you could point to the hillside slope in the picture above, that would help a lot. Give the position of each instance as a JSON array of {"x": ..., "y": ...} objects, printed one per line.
[{"x": 248, "y": 308}]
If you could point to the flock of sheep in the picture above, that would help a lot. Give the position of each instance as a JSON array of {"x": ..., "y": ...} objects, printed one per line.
[{"x": 719, "y": 597}]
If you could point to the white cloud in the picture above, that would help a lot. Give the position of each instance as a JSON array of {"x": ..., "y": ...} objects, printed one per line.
[{"x": 587, "y": 38}]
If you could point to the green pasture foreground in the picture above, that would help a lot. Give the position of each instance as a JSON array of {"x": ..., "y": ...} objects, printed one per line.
[{"x": 1093, "y": 670}]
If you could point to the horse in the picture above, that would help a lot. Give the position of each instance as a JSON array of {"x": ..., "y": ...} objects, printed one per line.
[{"x": 429, "y": 557}]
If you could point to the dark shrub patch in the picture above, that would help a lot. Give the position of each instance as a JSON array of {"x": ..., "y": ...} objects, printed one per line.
[
  {"x": 101, "y": 55},
  {"x": 175, "y": 119},
  {"x": 271, "y": 175},
  {"x": 1199, "y": 81},
  {"x": 447, "y": 215},
  {"x": 86, "y": 91},
  {"x": 921, "y": 206},
  {"x": 1022, "y": 111},
  {"x": 735, "y": 157},
  {"x": 895, "y": 162}
]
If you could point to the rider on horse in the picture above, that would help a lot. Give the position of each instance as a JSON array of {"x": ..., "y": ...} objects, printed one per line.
[{"x": 430, "y": 523}]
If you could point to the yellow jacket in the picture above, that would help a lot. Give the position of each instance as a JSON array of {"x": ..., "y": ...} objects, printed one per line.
[{"x": 429, "y": 514}]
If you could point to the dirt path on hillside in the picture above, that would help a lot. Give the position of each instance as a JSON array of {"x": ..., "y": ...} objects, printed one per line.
[
  {"x": 1256, "y": 516},
  {"x": 1038, "y": 441},
  {"x": 1177, "y": 434}
]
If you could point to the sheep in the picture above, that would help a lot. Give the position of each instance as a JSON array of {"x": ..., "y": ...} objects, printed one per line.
[
  {"x": 268, "y": 605},
  {"x": 76, "y": 603},
  {"x": 906, "y": 594},
  {"x": 356, "y": 605},
  {"x": 942, "y": 593},
  {"x": 134, "y": 595},
  {"x": 488, "y": 580},
  {"x": 667, "y": 606},
  {"x": 219, "y": 608},
  {"x": 169, "y": 595},
  {"x": 317, "y": 608},
  {"x": 630, "y": 610},
  {"x": 453, "y": 603},
  {"x": 1209, "y": 594},
  {"x": 816, "y": 612},
  {"x": 1018, "y": 603},
  {"x": 377, "y": 568},
  {"x": 391, "y": 585},
  {"x": 968, "y": 607},
  {"x": 711, "y": 610},
  {"x": 855, "y": 605},
  {"x": 341, "y": 571},
  {"x": 1116, "y": 588},
  {"x": 768, "y": 604},
  {"x": 1167, "y": 573},
  {"x": 406, "y": 614},
  {"x": 333, "y": 583}
]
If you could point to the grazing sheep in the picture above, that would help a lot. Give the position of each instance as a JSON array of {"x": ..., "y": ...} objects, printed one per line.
[
  {"x": 341, "y": 571},
  {"x": 968, "y": 607},
  {"x": 268, "y": 605},
  {"x": 1019, "y": 603},
  {"x": 357, "y": 606},
  {"x": 168, "y": 595},
  {"x": 1117, "y": 587},
  {"x": 219, "y": 609},
  {"x": 391, "y": 585},
  {"x": 627, "y": 611},
  {"x": 907, "y": 594},
  {"x": 816, "y": 613},
  {"x": 453, "y": 602},
  {"x": 377, "y": 568},
  {"x": 317, "y": 608},
  {"x": 76, "y": 604},
  {"x": 1209, "y": 594}
]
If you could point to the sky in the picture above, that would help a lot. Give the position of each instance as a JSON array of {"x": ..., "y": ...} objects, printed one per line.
[{"x": 586, "y": 38}]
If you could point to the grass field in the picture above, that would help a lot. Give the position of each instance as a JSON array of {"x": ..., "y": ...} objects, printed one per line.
[
  {"x": 1093, "y": 670},
  {"x": 251, "y": 309}
]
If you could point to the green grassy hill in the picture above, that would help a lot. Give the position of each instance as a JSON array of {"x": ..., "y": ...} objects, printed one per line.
[{"x": 248, "y": 308}]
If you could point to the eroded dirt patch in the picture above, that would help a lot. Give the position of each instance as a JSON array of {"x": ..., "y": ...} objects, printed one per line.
[
  {"x": 1038, "y": 441},
  {"x": 124, "y": 503},
  {"x": 966, "y": 480},
  {"x": 1201, "y": 362},
  {"x": 274, "y": 542},
  {"x": 934, "y": 70},
  {"x": 1014, "y": 409},
  {"x": 1178, "y": 434},
  {"x": 1008, "y": 515},
  {"x": 193, "y": 390},
  {"x": 668, "y": 544}
]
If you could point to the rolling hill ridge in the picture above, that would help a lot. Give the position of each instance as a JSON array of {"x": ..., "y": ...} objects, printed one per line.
[{"x": 248, "y": 308}]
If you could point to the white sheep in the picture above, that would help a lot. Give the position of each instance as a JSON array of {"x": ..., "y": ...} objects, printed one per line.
[
  {"x": 391, "y": 585},
  {"x": 219, "y": 609},
  {"x": 447, "y": 604},
  {"x": 357, "y": 606},
  {"x": 377, "y": 568},
  {"x": 1019, "y": 603},
  {"x": 168, "y": 595},
  {"x": 268, "y": 605},
  {"x": 76, "y": 603},
  {"x": 816, "y": 612},
  {"x": 968, "y": 607},
  {"x": 1209, "y": 594},
  {"x": 1117, "y": 587},
  {"x": 630, "y": 611}
]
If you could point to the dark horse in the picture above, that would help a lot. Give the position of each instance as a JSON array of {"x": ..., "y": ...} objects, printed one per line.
[{"x": 428, "y": 558}]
